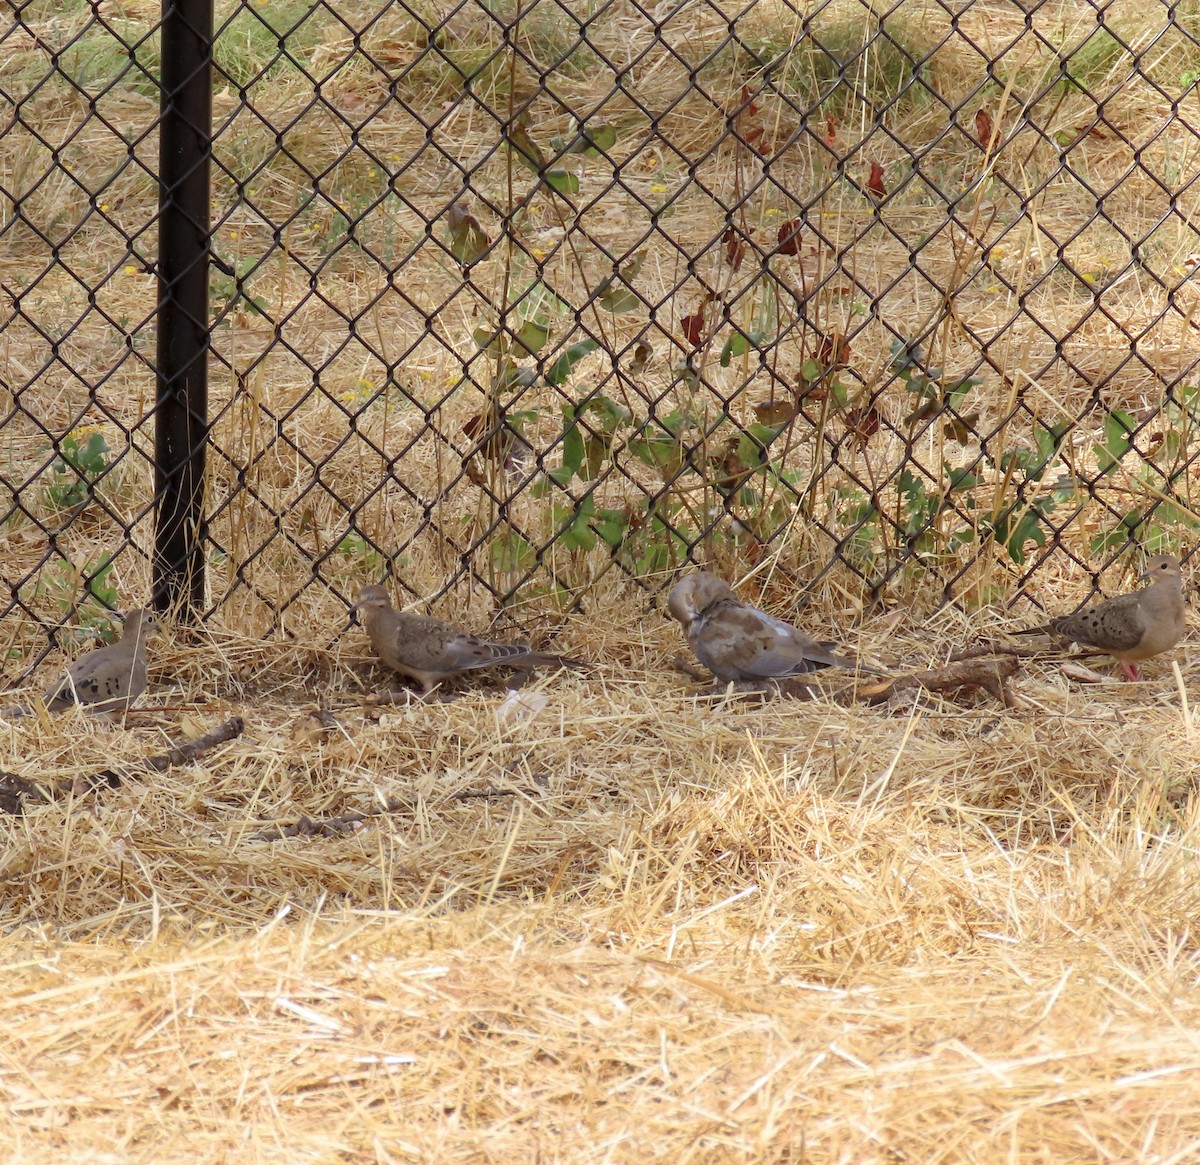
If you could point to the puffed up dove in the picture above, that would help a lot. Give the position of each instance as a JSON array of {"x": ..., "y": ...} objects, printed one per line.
[
  {"x": 431, "y": 651},
  {"x": 1132, "y": 627},
  {"x": 108, "y": 679},
  {"x": 738, "y": 642}
]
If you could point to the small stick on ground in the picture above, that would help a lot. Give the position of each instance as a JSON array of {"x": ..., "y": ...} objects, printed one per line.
[
  {"x": 982, "y": 650},
  {"x": 15, "y": 791},
  {"x": 409, "y": 696},
  {"x": 345, "y": 822},
  {"x": 308, "y": 827},
  {"x": 991, "y": 675}
]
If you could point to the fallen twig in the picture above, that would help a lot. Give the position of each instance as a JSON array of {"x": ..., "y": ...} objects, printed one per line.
[
  {"x": 307, "y": 827},
  {"x": 179, "y": 754},
  {"x": 344, "y": 822},
  {"x": 408, "y": 696},
  {"x": 15, "y": 791},
  {"x": 982, "y": 650},
  {"x": 989, "y": 674}
]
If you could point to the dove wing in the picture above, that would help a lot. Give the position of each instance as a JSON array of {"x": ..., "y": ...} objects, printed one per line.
[
  {"x": 462, "y": 651},
  {"x": 1117, "y": 625},
  {"x": 740, "y": 640},
  {"x": 109, "y": 677}
]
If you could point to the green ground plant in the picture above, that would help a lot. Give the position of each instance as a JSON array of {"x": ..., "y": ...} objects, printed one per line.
[{"x": 83, "y": 459}]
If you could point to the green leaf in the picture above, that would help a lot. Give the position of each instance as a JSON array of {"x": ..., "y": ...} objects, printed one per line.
[
  {"x": 676, "y": 422},
  {"x": 468, "y": 240},
  {"x": 659, "y": 452},
  {"x": 599, "y": 137},
  {"x": 590, "y": 139},
  {"x": 579, "y": 536},
  {"x": 738, "y": 345},
  {"x": 610, "y": 416},
  {"x": 562, "y": 182},
  {"x": 1170, "y": 514},
  {"x": 509, "y": 375},
  {"x": 1014, "y": 537},
  {"x": 961, "y": 479},
  {"x": 573, "y": 451},
  {"x": 1118, "y": 430},
  {"x": 539, "y": 303},
  {"x": 484, "y": 338},
  {"x": 596, "y": 450},
  {"x": 558, "y": 372},
  {"x": 906, "y": 358},
  {"x": 614, "y": 297},
  {"x": 509, "y": 551},
  {"x": 1018, "y": 459},
  {"x": 91, "y": 457},
  {"x": 1049, "y": 439},
  {"x": 574, "y": 524},
  {"x": 957, "y": 390},
  {"x": 612, "y": 525},
  {"x": 617, "y": 300},
  {"x": 527, "y": 149},
  {"x": 1109, "y": 540},
  {"x": 532, "y": 336}
]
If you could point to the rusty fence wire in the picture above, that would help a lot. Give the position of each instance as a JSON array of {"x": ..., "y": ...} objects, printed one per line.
[{"x": 512, "y": 297}]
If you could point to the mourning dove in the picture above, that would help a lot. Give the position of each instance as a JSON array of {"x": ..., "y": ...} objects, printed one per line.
[
  {"x": 429, "y": 650},
  {"x": 736, "y": 641},
  {"x": 108, "y": 679},
  {"x": 1131, "y": 627}
]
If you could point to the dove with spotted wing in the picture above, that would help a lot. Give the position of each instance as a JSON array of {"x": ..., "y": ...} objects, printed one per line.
[
  {"x": 1132, "y": 627},
  {"x": 108, "y": 679},
  {"x": 430, "y": 651}
]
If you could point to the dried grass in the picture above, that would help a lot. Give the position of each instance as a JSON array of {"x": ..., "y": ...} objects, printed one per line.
[
  {"x": 638, "y": 925},
  {"x": 674, "y": 929}
]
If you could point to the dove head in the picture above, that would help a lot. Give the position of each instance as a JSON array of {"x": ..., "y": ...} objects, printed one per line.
[
  {"x": 1161, "y": 568},
  {"x": 373, "y": 598},
  {"x": 693, "y": 595},
  {"x": 140, "y": 624}
]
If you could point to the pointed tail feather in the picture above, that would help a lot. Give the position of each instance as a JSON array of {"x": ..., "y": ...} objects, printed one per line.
[{"x": 828, "y": 656}]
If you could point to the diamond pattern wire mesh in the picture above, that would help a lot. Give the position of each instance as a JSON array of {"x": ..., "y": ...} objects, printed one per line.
[{"x": 513, "y": 298}]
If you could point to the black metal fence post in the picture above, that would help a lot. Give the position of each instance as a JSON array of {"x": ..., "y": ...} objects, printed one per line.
[{"x": 181, "y": 410}]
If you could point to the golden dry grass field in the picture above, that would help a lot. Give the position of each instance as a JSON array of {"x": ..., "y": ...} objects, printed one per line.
[{"x": 604, "y": 919}]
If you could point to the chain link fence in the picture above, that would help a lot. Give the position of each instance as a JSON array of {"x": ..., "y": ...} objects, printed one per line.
[{"x": 505, "y": 299}]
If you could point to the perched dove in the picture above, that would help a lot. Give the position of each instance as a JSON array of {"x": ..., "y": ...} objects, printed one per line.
[
  {"x": 736, "y": 641},
  {"x": 108, "y": 679},
  {"x": 1131, "y": 627},
  {"x": 429, "y": 650}
]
